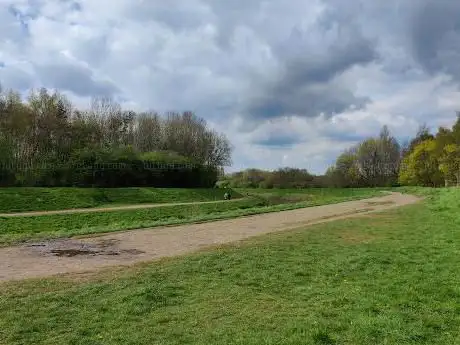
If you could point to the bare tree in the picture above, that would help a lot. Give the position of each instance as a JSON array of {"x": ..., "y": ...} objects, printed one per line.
[{"x": 148, "y": 132}]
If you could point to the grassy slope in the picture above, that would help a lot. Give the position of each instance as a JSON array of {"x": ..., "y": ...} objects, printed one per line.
[
  {"x": 45, "y": 199},
  {"x": 391, "y": 278},
  {"x": 63, "y": 225}
]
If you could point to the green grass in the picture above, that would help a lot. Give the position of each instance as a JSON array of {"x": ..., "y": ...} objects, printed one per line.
[
  {"x": 390, "y": 278},
  {"x": 16, "y": 229},
  {"x": 308, "y": 195},
  {"x": 47, "y": 199}
]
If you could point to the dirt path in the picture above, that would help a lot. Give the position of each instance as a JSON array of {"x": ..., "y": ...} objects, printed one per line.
[
  {"x": 109, "y": 209},
  {"x": 125, "y": 248}
]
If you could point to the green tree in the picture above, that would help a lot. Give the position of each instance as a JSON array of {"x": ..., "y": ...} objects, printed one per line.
[
  {"x": 421, "y": 166},
  {"x": 450, "y": 163},
  {"x": 345, "y": 173}
]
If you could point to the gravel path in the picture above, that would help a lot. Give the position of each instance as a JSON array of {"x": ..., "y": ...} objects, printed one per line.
[{"x": 125, "y": 248}]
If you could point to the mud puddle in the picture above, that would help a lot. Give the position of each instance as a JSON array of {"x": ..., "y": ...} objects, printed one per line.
[{"x": 73, "y": 248}]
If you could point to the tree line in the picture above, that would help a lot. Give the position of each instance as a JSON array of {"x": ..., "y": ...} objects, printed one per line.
[
  {"x": 281, "y": 178},
  {"x": 381, "y": 161},
  {"x": 430, "y": 160},
  {"x": 46, "y": 141}
]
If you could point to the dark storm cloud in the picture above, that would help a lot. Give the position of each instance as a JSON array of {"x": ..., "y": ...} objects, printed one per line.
[
  {"x": 76, "y": 79},
  {"x": 305, "y": 65},
  {"x": 311, "y": 61},
  {"x": 436, "y": 36},
  {"x": 308, "y": 101}
]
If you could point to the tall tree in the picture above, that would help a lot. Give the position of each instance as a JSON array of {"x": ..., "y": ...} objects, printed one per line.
[
  {"x": 373, "y": 162},
  {"x": 345, "y": 172}
]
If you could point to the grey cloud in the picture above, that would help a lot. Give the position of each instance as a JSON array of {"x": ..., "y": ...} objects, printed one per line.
[
  {"x": 12, "y": 25},
  {"x": 278, "y": 141},
  {"x": 436, "y": 36},
  {"x": 339, "y": 134},
  {"x": 14, "y": 78},
  {"x": 76, "y": 79},
  {"x": 231, "y": 14},
  {"x": 175, "y": 14},
  {"x": 309, "y": 101},
  {"x": 308, "y": 62},
  {"x": 182, "y": 16},
  {"x": 307, "y": 86},
  {"x": 94, "y": 49},
  {"x": 75, "y": 6}
]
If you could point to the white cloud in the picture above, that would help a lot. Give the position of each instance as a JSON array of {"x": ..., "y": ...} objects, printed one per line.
[{"x": 244, "y": 66}]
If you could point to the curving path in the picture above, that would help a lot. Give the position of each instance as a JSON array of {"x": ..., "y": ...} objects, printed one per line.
[{"x": 129, "y": 247}]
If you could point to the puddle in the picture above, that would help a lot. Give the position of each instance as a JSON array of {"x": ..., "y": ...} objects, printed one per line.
[
  {"x": 72, "y": 252},
  {"x": 72, "y": 248}
]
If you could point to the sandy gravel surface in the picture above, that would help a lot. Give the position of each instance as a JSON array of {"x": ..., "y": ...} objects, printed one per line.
[{"x": 124, "y": 248}]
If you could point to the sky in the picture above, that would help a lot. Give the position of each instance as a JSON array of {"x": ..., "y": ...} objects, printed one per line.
[{"x": 291, "y": 83}]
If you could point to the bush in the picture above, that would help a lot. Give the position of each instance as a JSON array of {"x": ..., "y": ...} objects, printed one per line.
[{"x": 115, "y": 168}]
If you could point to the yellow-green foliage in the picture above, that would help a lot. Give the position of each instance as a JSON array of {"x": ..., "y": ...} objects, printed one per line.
[
  {"x": 450, "y": 162},
  {"x": 421, "y": 166},
  {"x": 432, "y": 162}
]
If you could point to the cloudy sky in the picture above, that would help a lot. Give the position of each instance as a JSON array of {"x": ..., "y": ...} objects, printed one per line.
[{"x": 292, "y": 83}]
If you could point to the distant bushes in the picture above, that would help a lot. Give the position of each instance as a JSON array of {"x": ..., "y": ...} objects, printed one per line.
[{"x": 280, "y": 178}]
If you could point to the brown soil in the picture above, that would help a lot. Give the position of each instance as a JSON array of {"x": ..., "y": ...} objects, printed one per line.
[
  {"x": 125, "y": 248},
  {"x": 375, "y": 203}
]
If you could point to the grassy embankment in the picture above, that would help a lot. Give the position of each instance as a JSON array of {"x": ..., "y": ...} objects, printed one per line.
[
  {"x": 16, "y": 229},
  {"x": 49, "y": 199},
  {"x": 391, "y": 278}
]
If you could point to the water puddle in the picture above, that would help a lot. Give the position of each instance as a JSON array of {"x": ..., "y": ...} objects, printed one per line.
[
  {"x": 71, "y": 252},
  {"x": 72, "y": 248}
]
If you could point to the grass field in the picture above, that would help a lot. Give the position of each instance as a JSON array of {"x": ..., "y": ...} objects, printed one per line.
[
  {"x": 390, "y": 278},
  {"x": 16, "y": 229},
  {"x": 47, "y": 199},
  {"x": 310, "y": 195}
]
